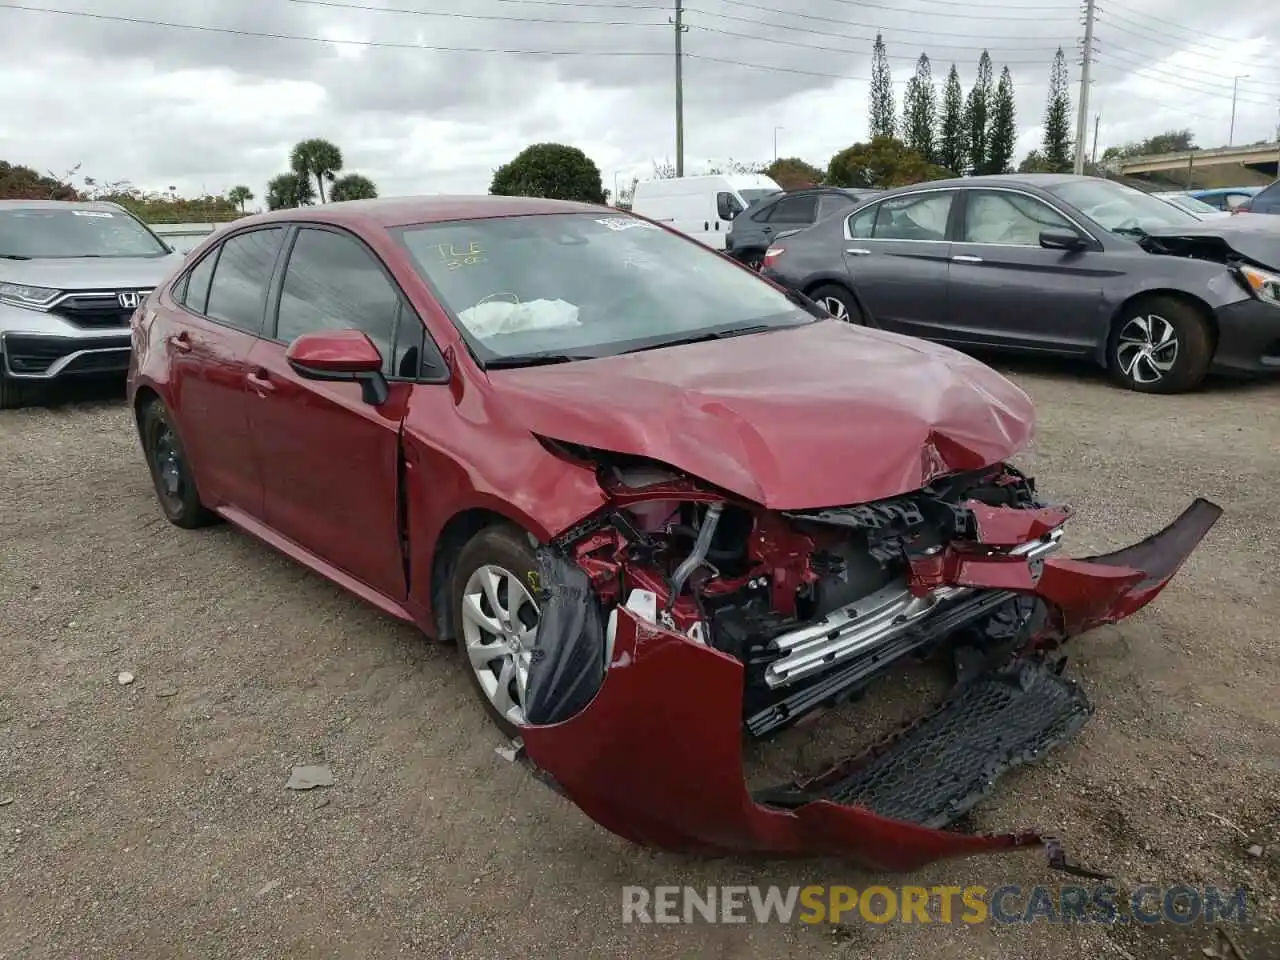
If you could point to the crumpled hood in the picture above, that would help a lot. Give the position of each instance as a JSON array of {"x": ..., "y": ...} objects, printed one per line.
[
  {"x": 1255, "y": 238},
  {"x": 91, "y": 273},
  {"x": 815, "y": 416}
]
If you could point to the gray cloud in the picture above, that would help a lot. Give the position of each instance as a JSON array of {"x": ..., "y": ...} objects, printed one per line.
[{"x": 164, "y": 106}]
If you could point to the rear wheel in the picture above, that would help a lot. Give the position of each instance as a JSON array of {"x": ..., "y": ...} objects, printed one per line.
[
  {"x": 170, "y": 472},
  {"x": 839, "y": 302},
  {"x": 1160, "y": 345},
  {"x": 752, "y": 259},
  {"x": 497, "y": 620}
]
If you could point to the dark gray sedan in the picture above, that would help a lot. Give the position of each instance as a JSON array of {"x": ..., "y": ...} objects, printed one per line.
[{"x": 1052, "y": 264}]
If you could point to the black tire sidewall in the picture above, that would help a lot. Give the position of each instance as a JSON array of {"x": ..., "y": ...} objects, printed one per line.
[
  {"x": 1195, "y": 345},
  {"x": 837, "y": 292},
  {"x": 191, "y": 512},
  {"x": 502, "y": 546}
]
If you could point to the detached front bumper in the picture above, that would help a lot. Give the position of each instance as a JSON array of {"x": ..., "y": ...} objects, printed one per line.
[{"x": 653, "y": 751}]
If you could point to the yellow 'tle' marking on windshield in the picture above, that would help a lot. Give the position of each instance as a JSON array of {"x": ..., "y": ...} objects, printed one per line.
[{"x": 454, "y": 257}]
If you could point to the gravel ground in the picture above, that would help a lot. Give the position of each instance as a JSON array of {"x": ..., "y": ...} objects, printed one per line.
[{"x": 151, "y": 820}]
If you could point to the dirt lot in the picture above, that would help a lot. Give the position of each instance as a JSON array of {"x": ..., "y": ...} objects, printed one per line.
[{"x": 151, "y": 820}]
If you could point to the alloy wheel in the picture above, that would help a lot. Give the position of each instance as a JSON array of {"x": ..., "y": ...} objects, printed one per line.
[
  {"x": 835, "y": 307},
  {"x": 499, "y": 626},
  {"x": 1147, "y": 349},
  {"x": 166, "y": 460}
]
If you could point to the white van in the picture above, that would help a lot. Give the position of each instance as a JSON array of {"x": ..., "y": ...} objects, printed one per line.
[{"x": 701, "y": 207}]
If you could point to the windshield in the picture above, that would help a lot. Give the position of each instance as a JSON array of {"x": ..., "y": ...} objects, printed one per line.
[
  {"x": 751, "y": 196},
  {"x": 1188, "y": 203},
  {"x": 1119, "y": 208},
  {"x": 574, "y": 286},
  {"x": 38, "y": 233}
]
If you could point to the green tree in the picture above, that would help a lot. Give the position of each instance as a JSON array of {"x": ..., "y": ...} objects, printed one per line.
[
  {"x": 1004, "y": 127},
  {"x": 240, "y": 195},
  {"x": 1171, "y": 141},
  {"x": 792, "y": 173},
  {"x": 316, "y": 158},
  {"x": 977, "y": 115},
  {"x": 884, "y": 162},
  {"x": 1056, "y": 146},
  {"x": 353, "y": 186},
  {"x": 289, "y": 190},
  {"x": 952, "y": 145},
  {"x": 551, "y": 170},
  {"x": 883, "y": 114},
  {"x": 920, "y": 111},
  {"x": 23, "y": 183}
]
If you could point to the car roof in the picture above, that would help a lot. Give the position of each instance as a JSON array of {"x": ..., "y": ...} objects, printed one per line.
[
  {"x": 1210, "y": 191},
  {"x": 406, "y": 211},
  {"x": 58, "y": 205},
  {"x": 1035, "y": 180}
]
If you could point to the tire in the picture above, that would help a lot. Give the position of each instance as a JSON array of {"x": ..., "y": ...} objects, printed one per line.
[
  {"x": 505, "y": 553},
  {"x": 839, "y": 302},
  {"x": 1180, "y": 336},
  {"x": 13, "y": 393},
  {"x": 752, "y": 259},
  {"x": 171, "y": 475}
]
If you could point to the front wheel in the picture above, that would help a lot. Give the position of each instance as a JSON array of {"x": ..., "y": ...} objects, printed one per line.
[
  {"x": 497, "y": 620},
  {"x": 1160, "y": 345},
  {"x": 839, "y": 302}
]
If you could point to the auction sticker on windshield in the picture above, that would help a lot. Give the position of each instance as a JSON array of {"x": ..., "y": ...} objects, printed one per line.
[
  {"x": 624, "y": 223},
  {"x": 99, "y": 214}
]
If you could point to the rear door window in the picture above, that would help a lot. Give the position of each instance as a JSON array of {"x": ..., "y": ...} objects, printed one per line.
[
  {"x": 238, "y": 292},
  {"x": 921, "y": 216},
  {"x": 1268, "y": 201},
  {"x": 830, "y": 203},
  {"x": 795, "y": 210},
  {"x": 195, "y": 295}
]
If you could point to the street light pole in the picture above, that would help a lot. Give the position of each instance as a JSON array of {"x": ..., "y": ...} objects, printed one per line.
[
  {"x": 775, "y": 142},
  {"x": 1235, "y": 89}
]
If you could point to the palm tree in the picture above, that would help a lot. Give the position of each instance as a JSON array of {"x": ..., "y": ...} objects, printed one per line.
[
  {"x": 316, "y": 158},
  {"x": 289, "y": 190},
  {"x": 240, "y": 195},
  {"x": 353, "y": 186}
]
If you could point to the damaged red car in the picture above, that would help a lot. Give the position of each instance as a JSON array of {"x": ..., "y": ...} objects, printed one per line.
[{"x": 659, "y": 504}]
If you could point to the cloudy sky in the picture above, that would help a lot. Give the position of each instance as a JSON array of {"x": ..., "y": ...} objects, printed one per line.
[{"x": 430, "y": 97}]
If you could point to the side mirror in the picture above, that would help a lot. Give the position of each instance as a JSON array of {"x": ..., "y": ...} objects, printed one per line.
[
  {"x": 1062, "y": 240},
  {"x": 727, "y": 206},
  {"x": 341, "y": 356}
]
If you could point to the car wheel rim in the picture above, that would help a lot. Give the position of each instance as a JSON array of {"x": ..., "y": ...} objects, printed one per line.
[
  {"x": 834, "y": 307},
  {"x": 499, "y": 626},
  {"x": 1147, "y": 349},
  {"x": 167, "y": 463}
]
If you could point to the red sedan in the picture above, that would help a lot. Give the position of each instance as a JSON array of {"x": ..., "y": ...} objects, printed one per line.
[{"x": 654, "y": 499}]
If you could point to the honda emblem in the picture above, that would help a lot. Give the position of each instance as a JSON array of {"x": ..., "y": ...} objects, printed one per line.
[{"x": 129, "y": 299}]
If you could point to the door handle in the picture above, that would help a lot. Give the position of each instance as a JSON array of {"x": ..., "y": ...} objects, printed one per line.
[
  {"x": 260, "y": 382},
  {"x": 961, "y": 258},
  {"x": 857, "y": 252},
  {"x": 180, "y": 342}
]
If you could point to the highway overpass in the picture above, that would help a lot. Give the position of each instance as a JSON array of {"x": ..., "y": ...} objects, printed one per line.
[{"x": 1219, "y": 167}]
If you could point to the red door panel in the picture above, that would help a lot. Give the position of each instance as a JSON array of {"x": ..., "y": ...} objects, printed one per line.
[
  {"x": 208, "y": 366},
  {"x": 330, "y": 467}
]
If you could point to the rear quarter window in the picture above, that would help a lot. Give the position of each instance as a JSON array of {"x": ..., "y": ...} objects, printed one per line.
[{"x": 1268, "y": 200}]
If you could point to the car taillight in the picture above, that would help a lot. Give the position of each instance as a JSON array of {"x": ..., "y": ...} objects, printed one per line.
[{"x": 771, "y": 256}]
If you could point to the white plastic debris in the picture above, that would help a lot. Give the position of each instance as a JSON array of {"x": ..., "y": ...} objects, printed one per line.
[
  {"x": 486, "y": 320},
  {"x": 309, "y": 777},
  {"x": 125, "y": 678}
]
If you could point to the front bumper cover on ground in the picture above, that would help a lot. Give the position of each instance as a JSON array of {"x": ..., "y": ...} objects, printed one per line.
[{"x": 654, "y": 754}]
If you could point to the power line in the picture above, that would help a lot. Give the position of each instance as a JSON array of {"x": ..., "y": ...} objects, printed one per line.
[
  {"x": 388, "y": 44},
  {"x": 1172, "y": 80},
  {"x": 811, "y": 46},
  {"x": 965, "y": 4},
  {"x": 754, "y": 21},
  {"x": 1196, "y": 36},
  {"x": 1209, "y": 53},
  {"x": 367, "y": 8},
  {"x": 871, "y": 5}
]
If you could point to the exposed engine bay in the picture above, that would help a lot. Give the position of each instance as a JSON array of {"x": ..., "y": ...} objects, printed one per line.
[{"x": 813, "y": 604}]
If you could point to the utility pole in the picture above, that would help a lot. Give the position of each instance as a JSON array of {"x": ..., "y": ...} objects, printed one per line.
[
  {"x": 1085, "y": 64},
  {"x": 1097, "y": 119},
  {"x": 681, "y": 29},
  {"x": 1235, "y": 90},
  {"x": 775, "y": 143}
]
